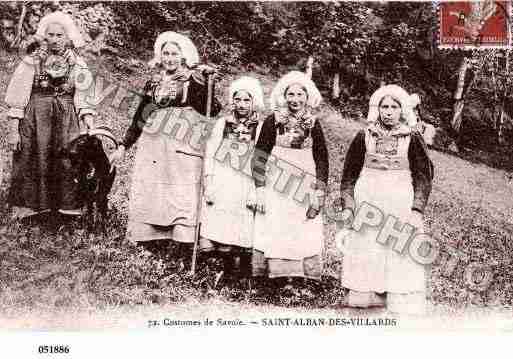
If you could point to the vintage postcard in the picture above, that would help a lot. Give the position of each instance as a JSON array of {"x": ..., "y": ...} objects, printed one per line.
[{"x": 177, "y": 173}]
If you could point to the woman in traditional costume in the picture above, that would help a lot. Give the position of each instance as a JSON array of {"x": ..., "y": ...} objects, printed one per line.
[
  {"x": 288, "y": 238},
  {"x": 166, "y": 176},
  {"x": 48, "y": 108},
  {"x": 386, "y": 166},
  {"x": 228, "y": 214}
]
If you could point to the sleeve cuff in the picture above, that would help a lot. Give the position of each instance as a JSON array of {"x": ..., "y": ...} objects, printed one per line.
[
  {"x": 86, "y": 111},
  {"x": 348, "y": 201},
  {"x": 417, "y": 209},
  {"x": 16, "y": 112}
]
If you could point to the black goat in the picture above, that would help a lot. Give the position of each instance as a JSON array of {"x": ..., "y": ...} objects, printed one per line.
[{"x": 92, "y": 172}]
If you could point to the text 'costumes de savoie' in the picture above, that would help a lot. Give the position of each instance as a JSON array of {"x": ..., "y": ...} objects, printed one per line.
[
  {"x": 386, "y": 166},
  {"x": 48, "y": 108}
]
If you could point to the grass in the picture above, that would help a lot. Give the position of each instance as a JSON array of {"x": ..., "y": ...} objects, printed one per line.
[{"x": 55, "y": 265}]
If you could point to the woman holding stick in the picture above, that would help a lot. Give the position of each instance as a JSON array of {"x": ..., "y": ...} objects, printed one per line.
[{"x": 166, "y": 175}]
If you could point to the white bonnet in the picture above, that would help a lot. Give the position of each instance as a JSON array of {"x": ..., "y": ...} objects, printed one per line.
[
  {"x": 189, "y": 50},
  {"x": 250, "y": 85},
  {"x": 66, "y": 21},
  {"x": 295, "y": 77},
  {"x": 398, "y": 93}
]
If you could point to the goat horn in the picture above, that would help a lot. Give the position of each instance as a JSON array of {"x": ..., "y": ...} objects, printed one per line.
[{"x": 104, "y": 131}]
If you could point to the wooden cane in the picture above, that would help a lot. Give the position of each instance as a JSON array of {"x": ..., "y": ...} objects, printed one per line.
[{"x": 210, "y": 92}]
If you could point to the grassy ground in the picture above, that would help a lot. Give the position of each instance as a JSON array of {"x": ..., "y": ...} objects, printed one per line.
[{"x": 55, "y": 266}]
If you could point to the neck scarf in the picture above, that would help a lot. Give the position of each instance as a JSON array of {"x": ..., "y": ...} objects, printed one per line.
[
  {"x": 380, "y": 130},
  {"x": 287, "y": 120},
  {"x": 241, "y": 129},
  {"x": 294, "y": 129},
  {"x": 165, "y": 85}
]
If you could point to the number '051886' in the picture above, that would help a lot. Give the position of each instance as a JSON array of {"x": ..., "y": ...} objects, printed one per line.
[{"x": 53, "y": 349}]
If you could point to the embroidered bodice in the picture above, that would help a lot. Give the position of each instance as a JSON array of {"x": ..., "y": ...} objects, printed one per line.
[
  {"x": 241, "y": 129},
  {"x": 387, "y": 150},
  {"x": 53, "y": 73},
  {"x": 294, "y": 130},
  {"x": 169, "y": 90}
]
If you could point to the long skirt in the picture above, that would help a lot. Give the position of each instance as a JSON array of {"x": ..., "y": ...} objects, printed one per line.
[
  {"x": 165, "y": 184},
  {"x": 286, "y": 242},
  {"x": 228, "y": 224},
  {"x": 43, "y": 177},
  {"x": 375, "y": 273}
]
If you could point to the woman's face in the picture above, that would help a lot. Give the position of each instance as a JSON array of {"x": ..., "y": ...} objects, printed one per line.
[
  {"x": 389, "y": 112},
  {"x": 296, "y": 98},
  {"x": 171, "y": 56},
  {"x": 242, "y": 103},
  {"x": 56, "y": 37}
]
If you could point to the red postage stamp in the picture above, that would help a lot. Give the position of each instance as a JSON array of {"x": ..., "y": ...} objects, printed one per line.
[{"x": 474, "y": 24}]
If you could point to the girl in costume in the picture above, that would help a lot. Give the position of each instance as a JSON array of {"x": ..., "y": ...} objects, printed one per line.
[
  {"x": 228, "y": 213},
  {"x": 386, "y": 166},
  {"x": 288, "y": 225}
]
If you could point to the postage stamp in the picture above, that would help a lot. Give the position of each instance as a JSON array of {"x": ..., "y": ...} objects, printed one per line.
[{"x": 476, "y": 24}]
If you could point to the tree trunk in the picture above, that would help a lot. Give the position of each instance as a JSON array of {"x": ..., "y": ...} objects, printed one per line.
[
  {"x": 17, "y": 40},
  {"x": 336, "y": 86},
  {"x": 500, "y": 125},
  {"x": 309, "y": 66},
  {"x": 458, "y": 96}
]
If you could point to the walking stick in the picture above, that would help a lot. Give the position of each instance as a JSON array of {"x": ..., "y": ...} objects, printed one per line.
[{"x": 197, "y": 227}]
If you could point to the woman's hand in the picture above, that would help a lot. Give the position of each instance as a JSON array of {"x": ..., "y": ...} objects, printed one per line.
[
  {"x": 209, "y": 190},
  {"x": 342, "y": 237},
  {"x": 117, "y": 157},
  {"x": 417, "y": 219},
  {"x": 88, "y": 121},
  {"x": 260, "y": 200},
  {"x": 14, "y": 138},
  {"x": 251, "y": 199},
  {"x": 317, "y": 199},
  {"x": 207, "y": 70}
]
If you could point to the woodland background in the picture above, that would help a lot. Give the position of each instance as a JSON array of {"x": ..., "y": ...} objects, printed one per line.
[{"x": 355, "y": 48}]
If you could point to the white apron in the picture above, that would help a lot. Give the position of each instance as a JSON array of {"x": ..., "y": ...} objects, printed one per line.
[
  {"x": 165, "y": 184},
  {"x": 284, "y": 231},
  {"x": 369, "y": 266},
  {"x": 228, "y": 221}
]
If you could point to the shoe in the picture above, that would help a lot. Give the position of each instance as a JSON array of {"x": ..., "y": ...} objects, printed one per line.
[
  {"x": 365, "y": 299},
  {"x": 219, "y": 276},
  {"x": 71, "y": 212},
  {"x": 24, "y": 212}
]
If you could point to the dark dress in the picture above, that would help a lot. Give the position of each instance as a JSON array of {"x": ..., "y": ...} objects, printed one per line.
[{"x": 43, "y": 177}]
